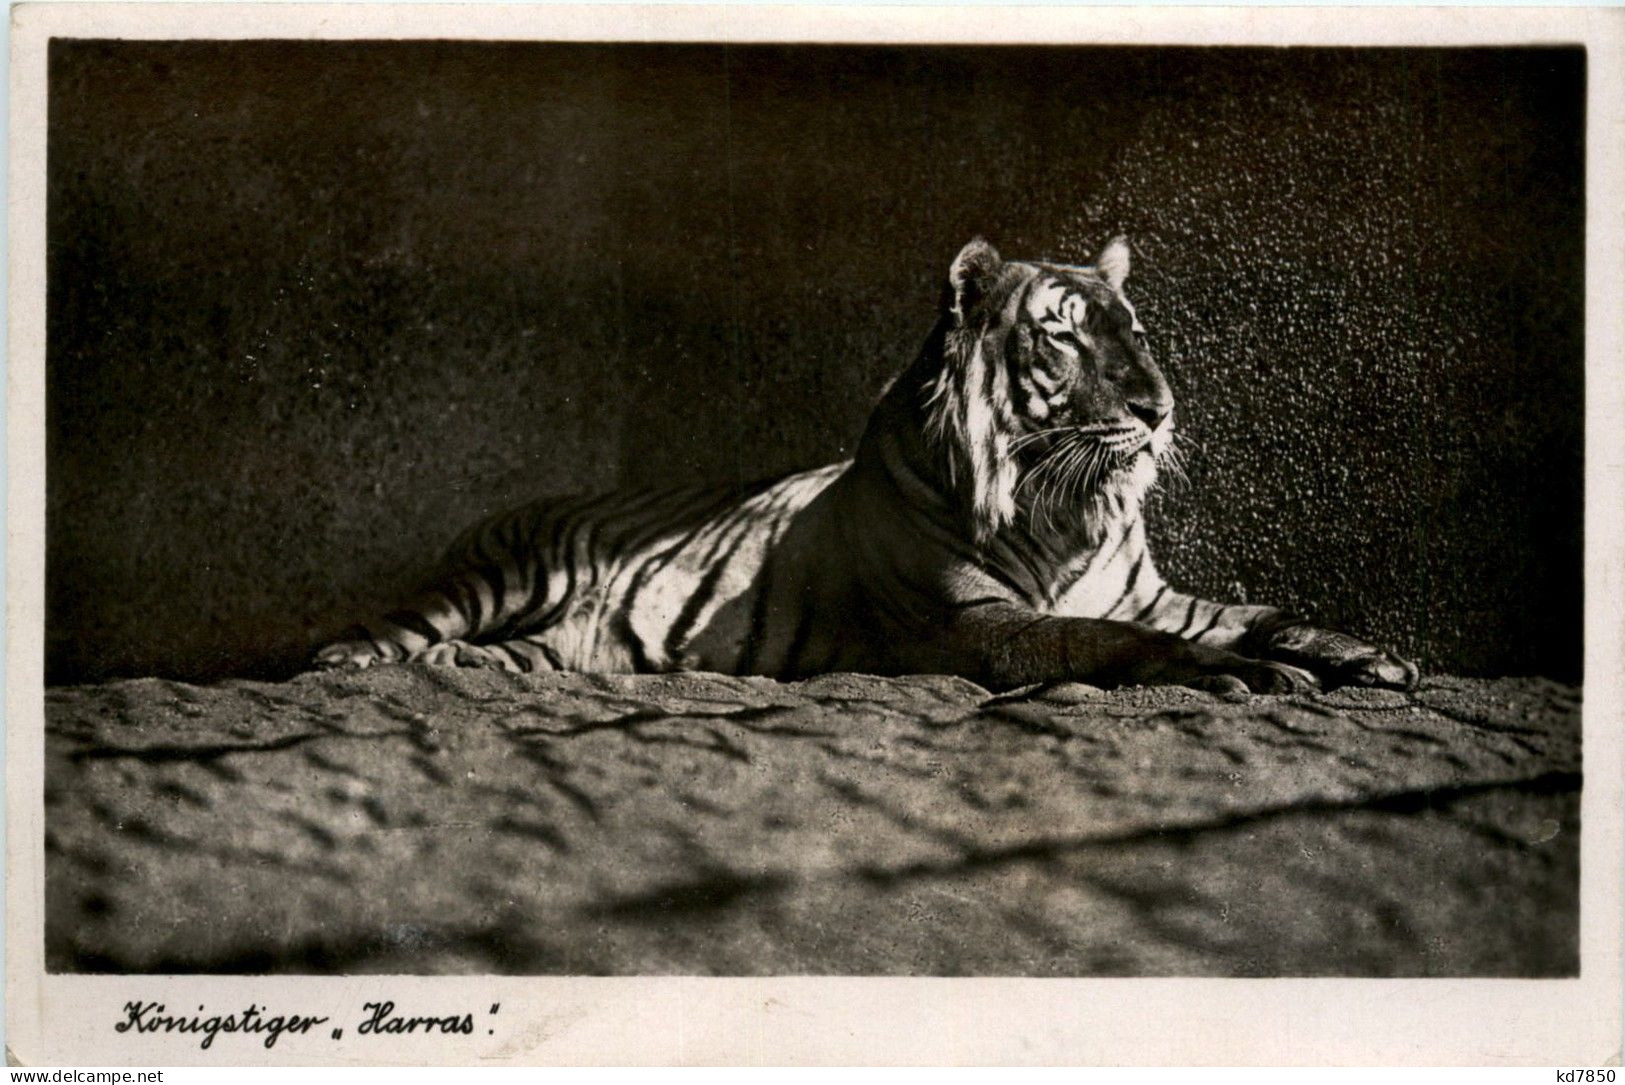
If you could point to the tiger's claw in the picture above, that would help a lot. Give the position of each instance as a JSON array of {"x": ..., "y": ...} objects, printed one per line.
[{"x": 1245, "y": 676}]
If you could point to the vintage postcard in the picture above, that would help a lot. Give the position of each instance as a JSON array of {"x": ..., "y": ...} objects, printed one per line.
[{"x": 814, "y": 535}]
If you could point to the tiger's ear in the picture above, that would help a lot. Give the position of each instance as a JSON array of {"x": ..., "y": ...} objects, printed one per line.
[
  {"x": 972, "y": 276},
  {"x": 967, "y": 406},
  {"x": 1113, "y": 261}
]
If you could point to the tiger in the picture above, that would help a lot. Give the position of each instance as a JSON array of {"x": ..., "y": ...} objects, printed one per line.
[{"x": 989, "y": 525}]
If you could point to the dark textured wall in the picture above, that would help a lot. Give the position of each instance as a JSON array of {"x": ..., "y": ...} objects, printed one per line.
[{"x": 314, "y": 307}]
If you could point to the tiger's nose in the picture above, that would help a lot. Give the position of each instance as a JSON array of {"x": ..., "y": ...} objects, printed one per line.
[{"x": 1151, "y": 414}]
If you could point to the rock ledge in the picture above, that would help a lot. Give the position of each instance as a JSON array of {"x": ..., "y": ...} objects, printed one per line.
[{"x": 422, "y": 820}]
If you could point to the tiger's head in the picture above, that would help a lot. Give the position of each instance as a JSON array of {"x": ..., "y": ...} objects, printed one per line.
[{"x": 1048, "y": 407}]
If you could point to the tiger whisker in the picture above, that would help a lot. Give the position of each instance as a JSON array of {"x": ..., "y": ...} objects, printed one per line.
[
  {"x": 1044, "y": 464},
  {"x": 1173, "y": 459},
  {"x": 1063, "y": 475},
  {"x": 1080, "y": 485},
  {"x": 1044, "y": 467},
  {"x": 1064, "y": 487},
  {"x": 1072, "y": 431},
  {"x": 1026, "y": 439},
  {"x": 1056, "y": 486},
  {"x": 1044, "y": 475},
  {"x": 1097, "y": 463},
  {"x": 1083, "y": 468}
]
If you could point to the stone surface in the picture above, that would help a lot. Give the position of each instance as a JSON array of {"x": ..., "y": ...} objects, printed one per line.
[
  {"x": 424, "y": 820},
  {"x": 315, "y": 307}
]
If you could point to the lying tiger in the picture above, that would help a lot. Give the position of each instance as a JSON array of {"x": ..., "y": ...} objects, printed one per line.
[{"x": 989, "y": 526}]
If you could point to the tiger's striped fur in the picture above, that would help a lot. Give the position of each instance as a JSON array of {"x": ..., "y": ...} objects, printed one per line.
[{"x": 989, "y": 526}]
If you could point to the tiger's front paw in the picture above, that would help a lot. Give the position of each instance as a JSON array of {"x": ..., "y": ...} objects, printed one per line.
[
  {"x": 347, "y": 654},
  {"x": 1342, "y": 660},
  {"x": 1383, "y": 670}
]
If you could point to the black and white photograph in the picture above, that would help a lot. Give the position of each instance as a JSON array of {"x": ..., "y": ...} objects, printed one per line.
[{"x": 941, "y": 509}]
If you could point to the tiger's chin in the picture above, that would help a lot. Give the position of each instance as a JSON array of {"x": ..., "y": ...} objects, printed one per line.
[{"x": 1124, "y": 488}]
